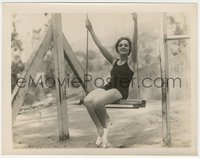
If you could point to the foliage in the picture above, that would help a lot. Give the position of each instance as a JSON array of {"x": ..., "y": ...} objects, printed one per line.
[{"x": 17, "y": 65}]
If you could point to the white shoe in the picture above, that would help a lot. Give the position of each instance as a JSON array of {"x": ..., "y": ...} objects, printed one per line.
[
  {"x": 98, "y": 141},
  {"x": 104, "y": 139}
]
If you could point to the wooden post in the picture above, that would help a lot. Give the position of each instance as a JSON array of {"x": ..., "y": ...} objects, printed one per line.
[
  {"x": 20, "y": 91},
  {"x": 60, "y": 76},
  {"x": 166, "y": 133},
  {"x": 135, "y": 49}
]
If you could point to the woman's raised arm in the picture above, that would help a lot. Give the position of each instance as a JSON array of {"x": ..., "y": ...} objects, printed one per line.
[
  {"x": 134, "y": 52},
  {"x": 103, "y": 50}
]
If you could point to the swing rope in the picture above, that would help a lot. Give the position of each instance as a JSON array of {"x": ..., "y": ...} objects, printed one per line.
[
  {"x": 87, "y": 41},
  {"x": 135, "y": 50}
]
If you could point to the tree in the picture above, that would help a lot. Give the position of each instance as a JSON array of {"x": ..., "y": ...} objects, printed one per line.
[{"x": 16, "y": 46}]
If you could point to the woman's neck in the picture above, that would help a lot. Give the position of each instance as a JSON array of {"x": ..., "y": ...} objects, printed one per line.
[{"x": 123, "y": 58}]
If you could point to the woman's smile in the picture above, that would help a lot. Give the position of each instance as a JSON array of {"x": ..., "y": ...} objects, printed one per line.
[{"x": 123, "y": 49}]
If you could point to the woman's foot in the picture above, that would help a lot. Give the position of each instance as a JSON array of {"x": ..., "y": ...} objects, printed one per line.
[
  {"x": 104, "y": 139},
  {"x": 98, "y": 141}
]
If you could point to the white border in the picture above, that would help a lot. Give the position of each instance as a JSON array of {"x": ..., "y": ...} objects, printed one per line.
[{"x": 175, "y": 1}]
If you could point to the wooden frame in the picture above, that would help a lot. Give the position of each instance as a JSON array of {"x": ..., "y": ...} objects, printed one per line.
[
  {"x": 60, "y": 74},
  {"x": 53, "y": 35},
  {"x": 166, "y": 129},
  {"x": 177, "y": 37}
]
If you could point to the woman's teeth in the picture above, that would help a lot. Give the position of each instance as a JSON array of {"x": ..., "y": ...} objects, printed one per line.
[{"x": 123, "y": 49}]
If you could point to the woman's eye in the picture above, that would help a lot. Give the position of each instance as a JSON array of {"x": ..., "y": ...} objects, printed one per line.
[
  {"x": 120, "y": 45},
  {"x": 126, "y": 45}
]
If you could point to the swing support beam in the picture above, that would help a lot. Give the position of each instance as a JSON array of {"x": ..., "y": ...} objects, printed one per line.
[
  {"x": 166, "y": 129},
  {"x": 52, "y": 37},
  {"x": 60, "y": 74}
]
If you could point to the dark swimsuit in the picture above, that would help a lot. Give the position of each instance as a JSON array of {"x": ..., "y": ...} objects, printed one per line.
[{"x": 121, "y": 76}]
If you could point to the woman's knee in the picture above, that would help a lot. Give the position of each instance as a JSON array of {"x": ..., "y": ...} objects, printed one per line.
[
  {"x": 98, "y": 103},
  {"x": 88, "y": 102}
]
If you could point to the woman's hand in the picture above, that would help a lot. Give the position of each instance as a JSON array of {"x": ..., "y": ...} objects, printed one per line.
[
  {"x": 88, "y": 24},
  {"x": 134, "y": 16}
]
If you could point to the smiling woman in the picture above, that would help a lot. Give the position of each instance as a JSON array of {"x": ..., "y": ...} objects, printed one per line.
[{"x": 122, "y": 69}]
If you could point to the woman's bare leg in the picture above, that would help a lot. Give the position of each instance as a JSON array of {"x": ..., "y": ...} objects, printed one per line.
[
  {"x": 109, "y": 96},
  {"x": 89, "y": 103},
  {"x": 100, "y": 101}
]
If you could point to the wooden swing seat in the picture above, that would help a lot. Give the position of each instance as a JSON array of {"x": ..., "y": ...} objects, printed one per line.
[{"x": 128, "y": 104}]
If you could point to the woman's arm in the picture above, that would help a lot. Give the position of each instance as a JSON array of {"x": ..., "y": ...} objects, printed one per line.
[
  {"x": 134, "y": 52},
  {"x": 103, "y": 50}
]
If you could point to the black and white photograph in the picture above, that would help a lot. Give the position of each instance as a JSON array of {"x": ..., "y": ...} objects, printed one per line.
[{"x": 104, "y": 78}]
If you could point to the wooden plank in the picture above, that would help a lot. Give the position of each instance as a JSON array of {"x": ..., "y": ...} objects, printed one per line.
[
  {"x": 132, "y": 101},
  {"x": 177, "y": 37},
  {"x": 31, "y": 68},
  {"x": 128, "y": 104},
  {"x": 60, "y": 75},
  {"x": 166, "y": 133},
  {"x": 76, "y": 66}
]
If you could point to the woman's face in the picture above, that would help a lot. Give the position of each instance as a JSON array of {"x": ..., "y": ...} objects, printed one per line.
[{"x": 123, "y": 47}]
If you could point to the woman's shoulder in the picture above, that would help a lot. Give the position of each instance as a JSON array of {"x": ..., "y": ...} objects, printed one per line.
[
  {"x": 131, "y": 65},
  {"x": 114, "y": 60}
]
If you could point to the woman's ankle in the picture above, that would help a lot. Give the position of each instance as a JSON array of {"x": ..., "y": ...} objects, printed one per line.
[
  {"x": 101, "y": 132},
  {"x": 105, "y": 134}
]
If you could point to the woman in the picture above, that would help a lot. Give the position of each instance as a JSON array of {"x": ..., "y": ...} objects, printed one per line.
[{"x": 116, "y": 89}]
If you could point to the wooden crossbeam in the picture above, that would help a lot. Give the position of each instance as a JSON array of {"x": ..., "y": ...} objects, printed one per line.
[
  {"x": 177, "y": 37},
  {"x": 60, "y": 74},
  {"x": 76, "y": 66},
  {"x": 128, "y": 104},
  {"x": 20, "y": 91}
]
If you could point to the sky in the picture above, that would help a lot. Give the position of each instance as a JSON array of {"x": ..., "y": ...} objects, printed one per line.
[{"x": 108, "y": 27}]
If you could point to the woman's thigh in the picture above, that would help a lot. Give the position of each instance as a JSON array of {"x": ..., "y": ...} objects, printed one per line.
[
  {"x": 108, "y": 97},
  {"x": 93, "y": 94}
]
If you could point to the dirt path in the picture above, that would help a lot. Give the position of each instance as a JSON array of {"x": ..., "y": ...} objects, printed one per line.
[{"x": 131, "y": 128}]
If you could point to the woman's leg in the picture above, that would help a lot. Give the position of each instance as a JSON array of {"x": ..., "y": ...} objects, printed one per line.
[
  {"x": 89, "y": 103},
  {"x": 100, "y": 101},
  {"x": 109, "y": 96},
  {"x": 95, "y": 103}
]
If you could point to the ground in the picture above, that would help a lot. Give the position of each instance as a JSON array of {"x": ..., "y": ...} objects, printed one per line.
[{"x": 132, "y": 128}]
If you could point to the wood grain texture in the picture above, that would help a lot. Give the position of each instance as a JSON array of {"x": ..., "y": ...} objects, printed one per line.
[
  {"x": 166, "y": 131},
  {"x": 60, "y": 76}
]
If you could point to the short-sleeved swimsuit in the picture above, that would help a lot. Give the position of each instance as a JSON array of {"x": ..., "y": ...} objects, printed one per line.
[{"x": 121, "y": 76}]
